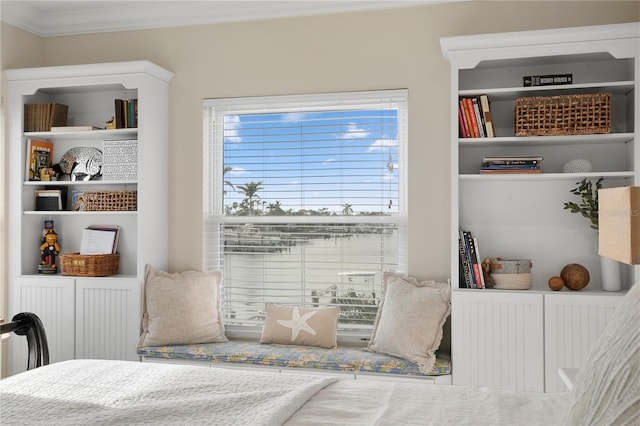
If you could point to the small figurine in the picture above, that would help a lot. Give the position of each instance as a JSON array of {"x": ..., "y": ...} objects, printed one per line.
[
  {"x": 82, "y": 163},
  {"x": 111, "y": 124},
  {"x": 49, "y": 250}
]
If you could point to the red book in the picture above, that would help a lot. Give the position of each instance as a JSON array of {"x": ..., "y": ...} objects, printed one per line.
[
  {"x": 473, "y": 123},
  {"x": 464, "y": 127}
]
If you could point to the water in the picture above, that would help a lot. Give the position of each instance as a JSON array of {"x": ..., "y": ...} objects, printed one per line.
[{"x": 343, "y": 270}]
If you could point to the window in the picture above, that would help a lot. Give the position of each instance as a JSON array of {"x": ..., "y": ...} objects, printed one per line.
[{"x": 305, "y": 202}]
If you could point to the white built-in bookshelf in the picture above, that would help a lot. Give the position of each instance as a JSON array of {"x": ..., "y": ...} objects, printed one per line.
[
  {"x": 516, "y": 339},
  {"x": 84, "y": 316}
]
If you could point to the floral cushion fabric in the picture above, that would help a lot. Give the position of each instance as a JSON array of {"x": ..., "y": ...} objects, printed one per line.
[{"x": 338, "y": 359}]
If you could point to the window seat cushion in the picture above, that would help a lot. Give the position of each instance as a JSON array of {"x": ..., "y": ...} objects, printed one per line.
[{"x": 351, "y": 359}]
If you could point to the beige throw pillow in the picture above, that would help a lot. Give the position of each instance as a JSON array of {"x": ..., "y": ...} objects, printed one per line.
[
  {"x": 181, "y": 309},
  {"x": 410, "y": 319},
  {"x": 294, "y": 325},
  {"x": 607, "y": 388}
]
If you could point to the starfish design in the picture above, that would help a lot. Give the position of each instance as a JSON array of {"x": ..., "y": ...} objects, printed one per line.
[{"x": 298, "y": 323}]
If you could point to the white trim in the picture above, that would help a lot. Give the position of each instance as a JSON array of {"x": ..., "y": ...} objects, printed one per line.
[{"x": 54, "y": 18}]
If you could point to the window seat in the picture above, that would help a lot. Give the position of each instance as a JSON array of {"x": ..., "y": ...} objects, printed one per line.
[{"x": 343, "y": 359}]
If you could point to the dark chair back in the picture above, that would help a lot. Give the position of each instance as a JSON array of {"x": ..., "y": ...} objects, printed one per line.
[{"x": 29, "y": 325}]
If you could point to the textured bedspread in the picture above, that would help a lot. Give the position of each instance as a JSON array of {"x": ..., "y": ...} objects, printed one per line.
[
  {"x": 84, "y": 392},
  {"x": 370, "y": 402}
]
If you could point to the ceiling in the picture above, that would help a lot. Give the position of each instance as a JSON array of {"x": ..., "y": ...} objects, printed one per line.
[{"x": 55, "y": 18}]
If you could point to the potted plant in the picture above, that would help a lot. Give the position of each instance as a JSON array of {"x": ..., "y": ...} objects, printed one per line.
[{"x": 588, "y": 207}]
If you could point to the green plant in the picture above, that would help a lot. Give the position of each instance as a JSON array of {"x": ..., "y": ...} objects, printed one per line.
[{"x": 588, "y": 206}]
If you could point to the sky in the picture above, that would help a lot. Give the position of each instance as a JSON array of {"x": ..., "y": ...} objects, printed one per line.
[{"x": 314, "y": 160}]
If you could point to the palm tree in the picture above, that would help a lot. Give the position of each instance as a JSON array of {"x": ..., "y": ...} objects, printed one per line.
[
  {"x": 250, "y": 191},
  {"x": 346, "y": 209},
  {"x": 226, "y": 182},
  {"x": 275, "y": 209}
]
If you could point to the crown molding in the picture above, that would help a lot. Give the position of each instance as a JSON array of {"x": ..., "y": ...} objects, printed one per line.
[{"x": 58, "y": 18}]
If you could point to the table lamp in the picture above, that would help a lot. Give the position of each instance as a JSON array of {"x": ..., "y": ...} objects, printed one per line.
[{"x": 619, "y": 226}]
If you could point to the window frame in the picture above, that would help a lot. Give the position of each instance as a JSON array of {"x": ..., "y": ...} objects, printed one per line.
[{"x": 214, "y": 111}]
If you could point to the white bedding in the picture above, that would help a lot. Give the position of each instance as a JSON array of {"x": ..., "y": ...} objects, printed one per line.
[
  {"x": 93, "y": 392},
  {"x": 370, "y": 402},
  {"x": 83, "y": 392}
]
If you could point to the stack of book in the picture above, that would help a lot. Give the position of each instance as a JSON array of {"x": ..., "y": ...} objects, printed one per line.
[
  {"x": 511, "y": 164},
  {"x": 474, "y": 117},
  {"x": 41, "y": 117},
  {"x": 471, "y": 275},
  {"x": 126, "y": 113}
]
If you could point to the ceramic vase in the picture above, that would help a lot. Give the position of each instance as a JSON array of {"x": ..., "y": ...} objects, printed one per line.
[{"x": 610, "y": 273}]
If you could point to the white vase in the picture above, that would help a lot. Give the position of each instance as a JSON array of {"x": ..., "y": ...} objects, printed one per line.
[{"x": 610, "y": 273}]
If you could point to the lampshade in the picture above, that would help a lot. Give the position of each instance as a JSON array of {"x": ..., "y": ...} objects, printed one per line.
[{"x": 619, "y": 223}]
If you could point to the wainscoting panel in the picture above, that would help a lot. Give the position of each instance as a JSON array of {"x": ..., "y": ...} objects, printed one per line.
[
  {"x": 572, "y": 323},
  {"x": 52, "y": 300},
  {"x": 498, "y": 339},
  {"x": 109, "y": 317}
]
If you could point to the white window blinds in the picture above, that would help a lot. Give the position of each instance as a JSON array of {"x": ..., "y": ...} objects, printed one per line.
[{"x": 305, "y": 200}]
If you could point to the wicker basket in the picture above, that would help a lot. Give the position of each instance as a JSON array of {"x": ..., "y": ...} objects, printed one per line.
[
  {"x": 89, "y": 265},
  {"x": 563, "y": 115},
  {"x": 512, "y": 281},
  {"x": 511, "y": 274},
  {"x": 102, "y": 201}
]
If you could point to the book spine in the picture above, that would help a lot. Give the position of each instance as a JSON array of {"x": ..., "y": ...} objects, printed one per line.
[
  {"x": 473, "y": 127},
  {"x": 130, "y": 114},
  {"x": 464, "y": 127},
  {"x": 125, "y": 113},
  {"x": 547, "y": 80},
  {"x": 486, "y": 113},
  {"x": 479, "y": 262},
  {"x": 475, "y": 265},
  {"x": 465, "y": 281},
  {"x": 469, "y": 251},
  {"x": 135, "y": 113},
  {"x": 118, "y": 109},
  {"x": 479, "y": 120}
]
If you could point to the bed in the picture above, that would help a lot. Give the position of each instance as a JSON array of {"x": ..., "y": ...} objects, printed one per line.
[{"x": 100, "y": 392}]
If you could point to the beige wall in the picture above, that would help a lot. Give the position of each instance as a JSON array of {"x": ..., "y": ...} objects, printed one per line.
[{"x": 356, "y": 51}]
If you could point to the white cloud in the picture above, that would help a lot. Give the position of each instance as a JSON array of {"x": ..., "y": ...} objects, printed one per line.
[
  {"x": 382, "y": 145},
  {"x": 354, "y": 132},
  {"x": 292, "y": 117},
  {"x": 388, "y": 176},
  {"x": 231, "y": 125},
  {"x": 237, "y": 171}
]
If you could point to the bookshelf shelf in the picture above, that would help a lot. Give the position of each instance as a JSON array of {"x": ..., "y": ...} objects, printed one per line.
[
  {"x": 80, "y": 183},
  {"x": 547, "y": 176},
  {"x": 63, "y": 213},
  {"x": 512, "y": 93},
  {"x": 87, "y": 134},
  {"x": 555, "y": 141}
]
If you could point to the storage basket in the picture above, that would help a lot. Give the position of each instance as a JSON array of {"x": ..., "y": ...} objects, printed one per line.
[
  {"x": 563, "y": 115},
  {"x": 89, "y": 265},
  {"x": 105, "y": 200},
  {"x": 512, "y": 281},
  {"x": 511, "y": 274}
]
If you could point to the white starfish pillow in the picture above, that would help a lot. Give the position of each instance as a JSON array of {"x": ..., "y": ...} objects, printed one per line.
[{"x": 298, "y": 325}]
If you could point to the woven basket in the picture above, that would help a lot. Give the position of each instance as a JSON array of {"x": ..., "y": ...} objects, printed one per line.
[
  {"x": 563, "y": 115},
  {"x": 103, "y": 201},
  {"x": 512, "y": 281},
  {"x": 89, "y": 265}
]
